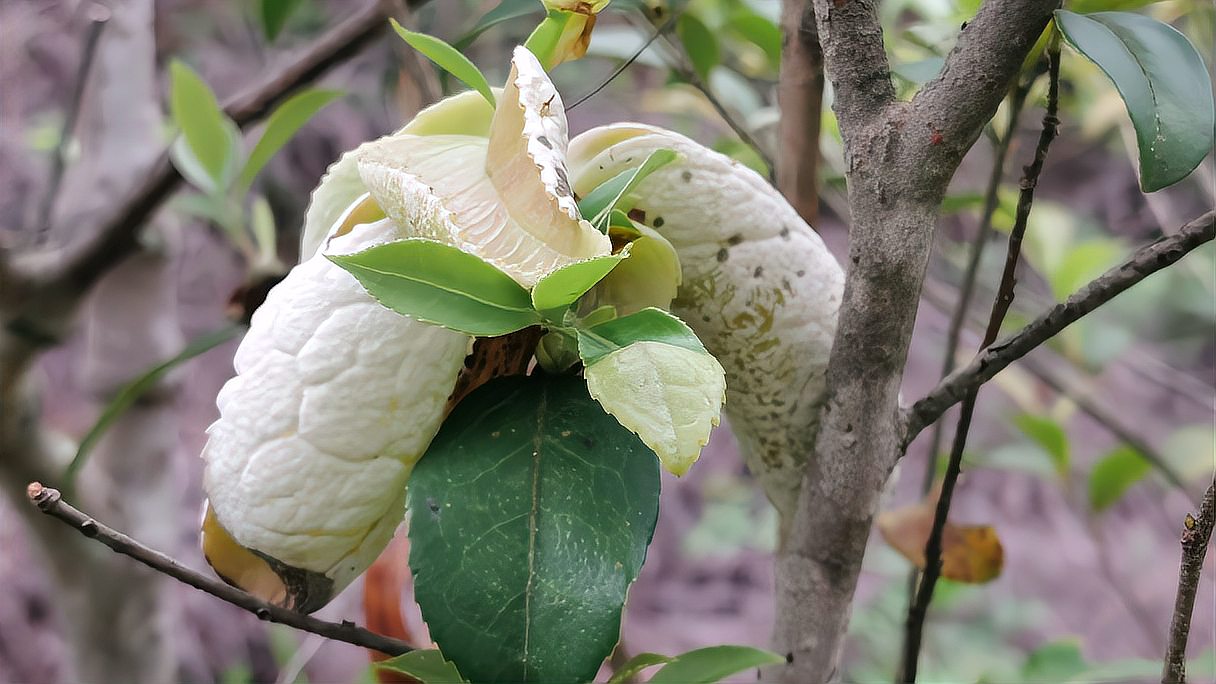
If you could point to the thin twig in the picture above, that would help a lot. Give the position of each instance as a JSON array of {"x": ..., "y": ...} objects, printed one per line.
[
  {"x": 117, "y": 236},
  {"x": 917, "y": 612},
  {"x": 663, "y": 28},
  {"x": 1017, "y": 99},
  {"x": 1146, "y": 261},
  {"x": 99, "y": 15},
  {"x": 1196, "y": 534},
  {"x": 50, "y": 502}
]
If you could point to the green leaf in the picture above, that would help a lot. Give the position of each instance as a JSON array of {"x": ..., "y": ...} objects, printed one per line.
[
  {"x": 759, "y": 31},
  {"x": 1164, "y": 85},
  {"x": 658, "y": 381},
  {"x": 274, "y": 15},
  {"x": 647, "y": 325},
  {"x": 561, "y": 288},
  {"x": 635, "y": 665},
  {"x": 435, "y": 283},
  {"x": 265, "y": 239},
  {"x": 1055, "y": 662},
  {"x": 428, "y": 667},
  {"x": 713, "y": 664},
  {"x": 700, "y": 43},
  {"x": 448, "y": 58},
  {"x": 130, "y": 393},
  {"x": 197, "y": 113},
  {"x": 1114, "y": 474},
  {"x": 502, "y": 12},
  {"x": 600, "y": 202},
  {"x": 1049, "y": 435},
  {"x": 530, "y": 516},
  {"x": 650, "y": 277},
  {"x": 283, "y": 123}
]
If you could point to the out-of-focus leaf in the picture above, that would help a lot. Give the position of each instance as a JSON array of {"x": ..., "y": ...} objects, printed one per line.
[
  {"x": 261, "y": 224},
  {"x": 700, "y": 43},
  {"x": 635, "y": 665},
  {"x": 919, "y": 72},
  {"x": 274, "y": 15},
  {"x": 1164, "y": 84},
  {"x": 428, "y": 667},
  {"x": 713, "y": 664},
  {"x": 197, "y": 114},
  {"x": 1049, "y": 435},
  {"x": 1114, "y": 475},
  {"x": 1082, "y": 263},
  {"x": 130, "y": 393},
  {"x": 448, "y": 58},
  {"x": 970, "y": 553},
  {"x": 761, "y": 32},
  {"x": 443, "y": 285},
  {"x": 283, "y": 123},
  {"x": 1054, "y": 662}
]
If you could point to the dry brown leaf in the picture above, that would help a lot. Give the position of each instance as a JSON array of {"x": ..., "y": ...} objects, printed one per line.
[{"x": 970, "y": 553}]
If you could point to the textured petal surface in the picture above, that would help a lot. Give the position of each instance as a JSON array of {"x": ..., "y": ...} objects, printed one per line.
[
  {"x": 335, "y": 399},
  {"x": 760, "y": 288}
]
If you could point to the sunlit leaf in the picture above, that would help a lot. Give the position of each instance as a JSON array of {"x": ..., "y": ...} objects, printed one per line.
[
  {"x": 561, "y": 288},
  {"x": 530, "y": 514},
  {"x": 1114, "y": 475},
  {"x": 1163, "y": 82},
  {"x": 448, "y": 58},
  {"x": 283, "y": 123},
  {"x": 713, "y": 664},
  {"x": 435, "y": 283}
]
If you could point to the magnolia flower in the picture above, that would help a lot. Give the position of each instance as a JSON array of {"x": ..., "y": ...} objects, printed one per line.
[{"x": 336, "y": 397}]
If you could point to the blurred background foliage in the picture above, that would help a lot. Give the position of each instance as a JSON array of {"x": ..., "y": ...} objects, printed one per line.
[{"x": 1057, "y": 463}]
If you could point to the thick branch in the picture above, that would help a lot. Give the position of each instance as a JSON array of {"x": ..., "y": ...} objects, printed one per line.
[
  {"x": 855, "y": 59},
  {"x": 1195, "y": 538},
  {"x": 117, "y": 236},
  {"x": 50, "y": 502},
  {"x": 952, "y": 108},
  {"x": 1145, "y": 262}
]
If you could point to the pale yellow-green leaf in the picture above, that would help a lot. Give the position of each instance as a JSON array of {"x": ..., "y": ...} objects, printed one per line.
[
  {"x": 649, "y": 277},
  {"x": 670, "y": 396}
]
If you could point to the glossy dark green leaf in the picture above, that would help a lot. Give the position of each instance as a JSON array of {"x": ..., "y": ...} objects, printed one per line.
[
  {"x": 274, "y": 15},
  {"x": 713, "y": 664},
  {"x": 130, "y": 393},
  {"x": 197, "y": 114},
  {"x": 561, "y": 288},
  {"x": 283, "y": 123},
  {"x": 700, "y": 43},
  {"x": 647, "y": 325},
  {"x": 1164, "y": 85},
  {"x": 530, "y": 516},
  {"x": 428, "y": 667},
  {"x": 435, "y": 283},
  {"x": 448, "y": 58},
  {"x": 1114, "y": 475}
]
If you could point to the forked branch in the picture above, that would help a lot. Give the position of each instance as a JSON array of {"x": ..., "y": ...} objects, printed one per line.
[
  {"x": 1146, "y": 261},
  {"x": 50, "y": 502}
]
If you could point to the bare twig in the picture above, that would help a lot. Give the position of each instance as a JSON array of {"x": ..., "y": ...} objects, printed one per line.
[
  {"x": 1196, "y": 535},
  {"x": 50, "y": 502},
  {"x": 1017, "y": 99},
  {"x": 800, "y": 94},
  {"x": 659, "y": 31},
  {"x": 99, "y": 15},
  {"x": 117, "y": 236},
  {"x": 996, "y": 357},
  {"x": 914, "y": 628}
]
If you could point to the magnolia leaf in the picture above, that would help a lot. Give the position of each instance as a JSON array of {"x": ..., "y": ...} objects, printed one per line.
[
  {"x": 759, "y": 31},
  {"x": 713, "y": 664},
  {"x": 561, "y": 288},
  {"x": 274, "y": 15},
  {"x": 633, "y": 667},
  {"x": 530, "y": 516},
  {"x": 603, "y": 200},
  {"x": 282, "y": 124},
  {"x": 1163, "y": 82},
  {"x": 700, "y": 43},
  {"x": 428, "y": 667},
  {"x": 447, "y": 58},
  {"x": 648, "y": 325},
  {"x": 130, "y": 393},
  {"x": 435, "y": 283},
  {"x": 650, "y": 277},
  {"x": 1114, "y": 475},
  {"x": 970, "y": 553},
  {"x": 197, "y": 113}
]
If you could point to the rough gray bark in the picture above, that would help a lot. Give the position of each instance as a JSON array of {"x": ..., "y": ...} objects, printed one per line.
[{"x": 899, "y": 158}]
